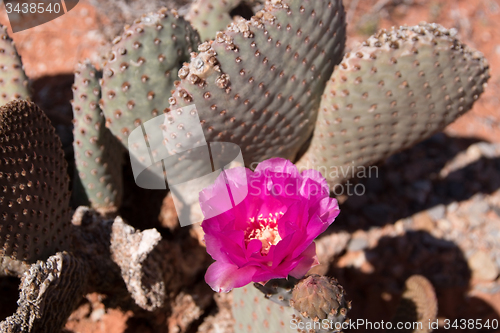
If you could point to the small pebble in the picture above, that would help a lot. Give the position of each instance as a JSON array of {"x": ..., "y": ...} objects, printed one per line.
[
  {"x": 437, "y": 212},
  {"x": 482, "y": 266}
]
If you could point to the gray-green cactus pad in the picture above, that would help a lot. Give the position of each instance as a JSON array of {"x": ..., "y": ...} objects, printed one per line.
[
  {"x": 258, "y": 84},
  {"x": 255, "y": 314},
  {"x": 141, "y": 68},
  {"x": 397, "y": 88},
  {"x": 209, "y": 16},
  {"x": 98, "y": 154},
  {"x": 13, "y": 80},
  {"x": 278, "y": 290}
]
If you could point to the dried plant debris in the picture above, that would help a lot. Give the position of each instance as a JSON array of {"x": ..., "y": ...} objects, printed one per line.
[{"x": 57, "y": 283}]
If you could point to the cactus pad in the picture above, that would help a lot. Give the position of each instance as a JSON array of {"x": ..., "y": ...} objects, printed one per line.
[
  {"x": 398, "y": 88},
  {"x": 140, "y": 70},
  {"x": 98, "y": 154},
  {"x": 258, "y": 84},
  {"x": 278, "y": 290},
  {"x": 255, "y": 314},
  {"x": 209, "y": 16},
  {"x": 418, "y": 304},
  {"x": 34, "y": 203},
  {"x": 13, "y": 80}
]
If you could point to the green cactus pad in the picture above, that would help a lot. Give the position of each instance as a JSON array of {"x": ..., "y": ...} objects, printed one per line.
[
  {"x": 258, "y": 84},
  {"x": 13, "y": 80},
  {"x": 209, "y": 16},
  {"x": 140, "y": 70},
  {"x": 98, "y": 154},
  {"x": 398, "y": 88},
  {"x": 34, "y": 203}
]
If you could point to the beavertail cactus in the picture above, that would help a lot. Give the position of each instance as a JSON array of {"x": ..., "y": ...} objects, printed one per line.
[
  {"x": 258, "y": 84},
  {"x": 141, "y": 68},
  {"x": 98, "y": 154},
  {"x": 208, "y": 16},
  {"x": 320, "y": 300},
  {"x": 13, "y": 80},
  {"x": 34, "y": 220},
  {"x": 418, "y": 304},
  {"x": 397, "y": 88}
]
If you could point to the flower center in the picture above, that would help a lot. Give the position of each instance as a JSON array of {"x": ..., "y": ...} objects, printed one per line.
[{"x": 265, "y": 230}]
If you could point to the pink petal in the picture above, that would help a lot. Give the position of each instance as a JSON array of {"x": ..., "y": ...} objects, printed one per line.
[
  {"x": 277, "y": 165},
  {"x": 265, "y": 275},
  {"x": 315, "y": 227},
  {"x": 328, "y": 209},
  {"x": 210, "y": 197},
  {"x": 253, "y": 246},
  {"x": 281, "y": 250},
  {"x": 237, "y": 179},
  {"x": 220, "y": 243},
  {"x": 316, "y": 176},
  {"x": 294, "y": 219},
  {"x": 308, "y": 261},
  {"x": 222, "y": 276}
]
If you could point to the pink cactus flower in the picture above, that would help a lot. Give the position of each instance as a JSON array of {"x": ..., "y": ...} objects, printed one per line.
[{"x": 270, "y": 234}]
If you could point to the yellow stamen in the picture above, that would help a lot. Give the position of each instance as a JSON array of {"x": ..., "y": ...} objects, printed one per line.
[{"x": 265, "y": 230}]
